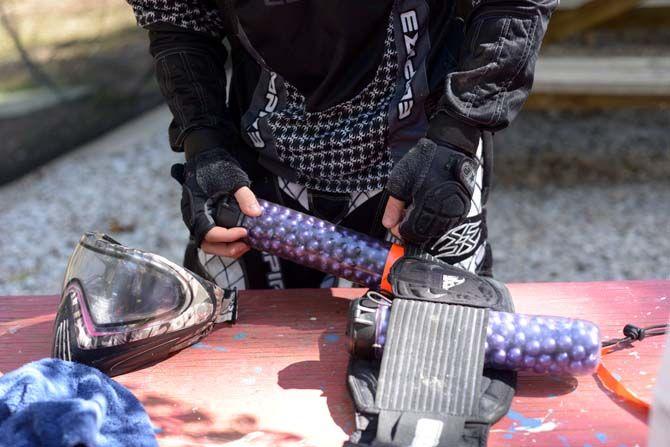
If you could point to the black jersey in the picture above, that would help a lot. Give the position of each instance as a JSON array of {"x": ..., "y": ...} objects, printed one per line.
[{"x": 330, "y": 93}]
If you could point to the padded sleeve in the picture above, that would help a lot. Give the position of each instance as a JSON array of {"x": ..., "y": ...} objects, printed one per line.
[
  {"x": 189, "y": 56},
  {"x": 496, "y": 64}
]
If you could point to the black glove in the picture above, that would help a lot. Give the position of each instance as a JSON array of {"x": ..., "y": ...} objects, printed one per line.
[
  {"x": 206, "y": 178},
  {"x": 436, "y": 183}
]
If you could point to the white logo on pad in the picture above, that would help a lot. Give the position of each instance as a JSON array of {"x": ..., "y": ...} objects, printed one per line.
[
  {"x": 427, "y": 433},
  {"x": 449, "y": 281},
  {"x": 410, "y": 29}
]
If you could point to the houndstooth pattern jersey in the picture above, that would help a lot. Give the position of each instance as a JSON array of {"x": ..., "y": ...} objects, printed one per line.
[
  {"x": 343, "y": 148},
  {"x": 196, "y": 15},
  {"x": 348, "y": 147}
]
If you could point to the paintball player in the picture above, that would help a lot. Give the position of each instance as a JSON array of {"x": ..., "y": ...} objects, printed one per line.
[{"x": 375, "y": 115}]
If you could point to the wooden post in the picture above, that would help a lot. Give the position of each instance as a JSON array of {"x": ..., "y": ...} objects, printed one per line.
[
  {"x": 569, "y": 22},
  {"x": 646, "y": 16}
]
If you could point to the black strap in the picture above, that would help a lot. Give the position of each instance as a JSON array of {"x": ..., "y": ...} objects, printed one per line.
[
  {"x": 235, "y": 32},
  {"x": 633, "y": 333},
  {"x": 228, "y": 17}
]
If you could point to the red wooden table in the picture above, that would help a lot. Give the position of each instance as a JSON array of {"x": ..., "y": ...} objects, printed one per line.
[{"x": 277, "y": 378}]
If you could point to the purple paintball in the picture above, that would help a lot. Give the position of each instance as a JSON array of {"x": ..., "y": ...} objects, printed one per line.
[{"x": 317, "y": 244}]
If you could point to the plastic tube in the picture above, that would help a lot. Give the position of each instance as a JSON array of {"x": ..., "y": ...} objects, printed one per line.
[
  {"x": 541, "y": 344},
  {"x": 312, "y": 242}
]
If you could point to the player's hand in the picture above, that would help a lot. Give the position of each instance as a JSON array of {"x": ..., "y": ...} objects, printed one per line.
[
  {"x": 431, "y": 188},
  {"x": 205, "y": 179},
  {"x": 228, "y": 241}
]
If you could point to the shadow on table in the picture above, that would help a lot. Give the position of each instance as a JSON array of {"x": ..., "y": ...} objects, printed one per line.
[
  {"x": 545, "y": 386},
  {"x": 183, "y": 424},
  {"x": 633, "y": 409},
  {"x": 328, "y": 374},
  {"x": 313, "y": 375}
]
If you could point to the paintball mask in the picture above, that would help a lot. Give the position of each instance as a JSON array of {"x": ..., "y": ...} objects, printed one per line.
[{"x": 123, "y": 309}]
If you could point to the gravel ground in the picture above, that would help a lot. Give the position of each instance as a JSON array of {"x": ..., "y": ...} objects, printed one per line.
[
  {"x": 120, "y": 184},
  {"x": 581, "y": 233},
  {"x": 576, "y": 148}
]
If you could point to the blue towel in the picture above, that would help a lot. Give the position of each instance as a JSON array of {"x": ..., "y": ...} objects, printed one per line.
[{"x": 56, "y": 403}]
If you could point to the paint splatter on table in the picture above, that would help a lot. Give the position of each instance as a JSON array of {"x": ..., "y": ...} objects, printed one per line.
[{"x": 277, "y": 378}]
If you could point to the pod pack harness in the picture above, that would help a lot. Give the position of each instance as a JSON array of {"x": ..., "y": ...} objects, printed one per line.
[{"x": 430, "y": 387}]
